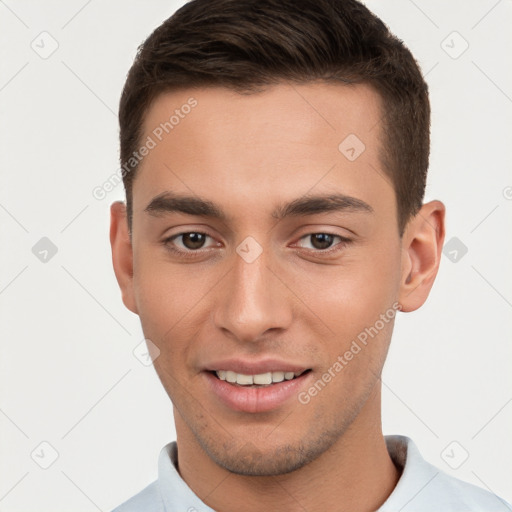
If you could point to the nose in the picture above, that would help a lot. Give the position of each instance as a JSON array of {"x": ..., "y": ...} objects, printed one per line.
[{"x": 252, "y": 301}]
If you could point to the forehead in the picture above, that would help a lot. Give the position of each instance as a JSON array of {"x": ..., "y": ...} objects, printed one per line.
[
  {"x": 249, "y": 149},
  {"x": 309, "y": 112}
]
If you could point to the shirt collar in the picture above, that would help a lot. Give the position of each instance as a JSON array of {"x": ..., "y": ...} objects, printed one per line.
[
  {"x": 176, "y": 494},
  {"x": 417, "y": 473}
]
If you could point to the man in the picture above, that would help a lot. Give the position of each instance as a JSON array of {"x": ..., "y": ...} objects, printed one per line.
[{"x": 274, "y": 156}]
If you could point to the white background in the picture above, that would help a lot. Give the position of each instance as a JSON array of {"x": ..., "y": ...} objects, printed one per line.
[{"x": 68, "y": 374}]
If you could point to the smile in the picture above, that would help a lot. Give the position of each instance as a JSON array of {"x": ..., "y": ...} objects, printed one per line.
[
  {"x": 260, "y": 379},
  {"x": 258, "y": 392}
]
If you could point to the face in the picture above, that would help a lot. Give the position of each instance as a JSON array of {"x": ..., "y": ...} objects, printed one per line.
[{"x": 265, "y": 246}]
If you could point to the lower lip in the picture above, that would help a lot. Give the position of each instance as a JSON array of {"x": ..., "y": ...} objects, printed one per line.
[{"x": 261, "y": 399}]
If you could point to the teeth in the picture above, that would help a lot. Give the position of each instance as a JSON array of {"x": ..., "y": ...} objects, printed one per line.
[
  {"x": 231, "y": 376},
  {"x": 244, "y": 380},
  {"x": 277, "y": 376},
  {"x": 261, "y": 379}
]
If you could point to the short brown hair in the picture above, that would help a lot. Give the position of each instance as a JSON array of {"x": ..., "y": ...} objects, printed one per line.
[{"x": 246, "y": 45}]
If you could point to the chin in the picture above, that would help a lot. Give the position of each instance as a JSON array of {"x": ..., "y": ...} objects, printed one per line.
[{"x": 250, "y": 460}]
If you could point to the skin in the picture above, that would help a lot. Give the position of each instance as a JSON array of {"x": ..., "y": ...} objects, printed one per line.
[{"x": 249, "y": 154}]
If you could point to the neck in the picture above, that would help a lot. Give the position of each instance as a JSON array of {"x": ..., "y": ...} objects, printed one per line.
[{"x": 356, "y": 474}]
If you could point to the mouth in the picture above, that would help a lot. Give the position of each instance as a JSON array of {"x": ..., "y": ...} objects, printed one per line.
[
  {"x": 267, "y": 389},
  {"x": 260, "y": 380}
]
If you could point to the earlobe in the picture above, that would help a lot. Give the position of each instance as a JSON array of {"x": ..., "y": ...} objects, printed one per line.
[
  {"x": 122, "y": 253},
  {"x": 422, "y": 244}
]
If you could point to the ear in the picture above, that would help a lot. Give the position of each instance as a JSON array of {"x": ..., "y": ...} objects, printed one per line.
[
  {"x": 422, "y": 243},
  {"x": 122, "y": 253}
]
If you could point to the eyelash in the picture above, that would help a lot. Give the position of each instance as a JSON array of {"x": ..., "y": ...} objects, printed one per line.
[{"x": 194, "y": 253}]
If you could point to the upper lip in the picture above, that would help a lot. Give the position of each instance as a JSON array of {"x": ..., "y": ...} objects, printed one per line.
[{"x": 247, "y": 367}]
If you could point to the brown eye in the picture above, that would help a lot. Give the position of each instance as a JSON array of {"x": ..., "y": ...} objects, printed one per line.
[
  {"x": 188, "y": 242},
  {"x": 193, "y": 240},
  {"x": 321, "y": 240},
  {"x": 323, "y": 243}
]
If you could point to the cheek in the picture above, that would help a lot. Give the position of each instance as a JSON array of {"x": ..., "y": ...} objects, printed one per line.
[
  {"x": 165, "y": 293},
  {"x": 352, "y": 296},
  {"x": 167, "y": 304},
  {"x": 173, "y": 306},
  {"x": 350, "y": 300}
]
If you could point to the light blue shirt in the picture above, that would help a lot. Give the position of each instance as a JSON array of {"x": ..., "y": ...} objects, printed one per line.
[{"x": 421, "y": 488}]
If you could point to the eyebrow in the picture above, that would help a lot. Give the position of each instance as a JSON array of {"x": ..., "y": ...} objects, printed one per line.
[{"x": 168, "y": 202}]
